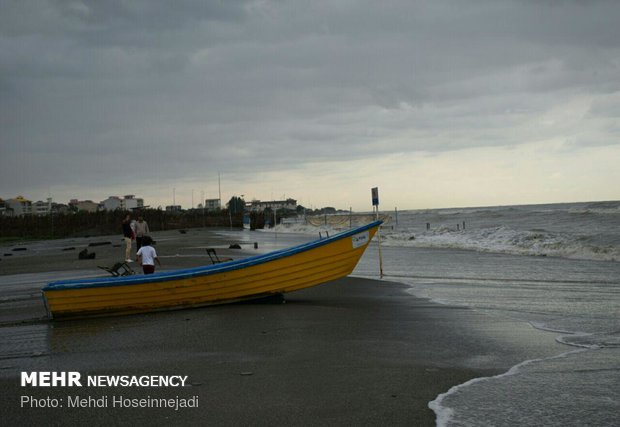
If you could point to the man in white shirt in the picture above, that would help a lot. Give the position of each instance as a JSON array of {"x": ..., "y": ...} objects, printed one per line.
[{"x": 147, "y": 256}]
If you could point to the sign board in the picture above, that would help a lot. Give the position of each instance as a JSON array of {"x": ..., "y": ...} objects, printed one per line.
[
  {"x": 375, "y": 196},
  {"x": 360, "y": 239}
]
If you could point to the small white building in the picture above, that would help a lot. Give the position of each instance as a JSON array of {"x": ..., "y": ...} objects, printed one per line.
[
  {"x": 127, "y": 203},
  {"x": 111, "y": 203},
  {"x": 213, "y": 205},
  {"x": 41, "y": 208},
  {"x": 131, "y": 202}
]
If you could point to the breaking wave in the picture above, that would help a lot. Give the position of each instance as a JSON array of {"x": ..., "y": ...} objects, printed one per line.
[{"x": 507, "y": 240}]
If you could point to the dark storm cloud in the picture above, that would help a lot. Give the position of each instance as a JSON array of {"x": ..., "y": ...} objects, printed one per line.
[{"x": 91, "y": 89}]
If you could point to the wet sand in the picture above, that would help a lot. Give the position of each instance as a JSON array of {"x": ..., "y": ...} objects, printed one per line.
[{"x": 350, "y": 352}]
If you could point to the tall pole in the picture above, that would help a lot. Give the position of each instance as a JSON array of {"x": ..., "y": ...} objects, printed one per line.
[
  {"x": 219, "y": 189},
  {"x": 230, "y": 208},
  {"x": 202, "y": 201},
  {"x": 379, "y": 243},
  {"x": 49, "y": 207},
  {"x": 375, "y": 204},
  {"x": 350, "y": 217}
]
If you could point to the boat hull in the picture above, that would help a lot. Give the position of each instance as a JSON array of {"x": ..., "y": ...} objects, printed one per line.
[{"x": 282, "y": 271}]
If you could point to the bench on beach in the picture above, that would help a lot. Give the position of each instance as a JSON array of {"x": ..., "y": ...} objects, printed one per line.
[
  {"x": 118, "y": 269},
  {"x": 215, "y": 259}
]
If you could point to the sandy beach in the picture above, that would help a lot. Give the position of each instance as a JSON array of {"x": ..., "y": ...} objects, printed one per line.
[{"x": 351, "y": 352}]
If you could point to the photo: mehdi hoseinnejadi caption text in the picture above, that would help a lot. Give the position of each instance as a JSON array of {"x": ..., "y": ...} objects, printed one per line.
[{"x": 71, "y": 390}]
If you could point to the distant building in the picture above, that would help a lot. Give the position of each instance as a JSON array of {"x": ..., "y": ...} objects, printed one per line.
[
  {"x": 18, "y": 206},
  {"x": 213, "y": 205},
  {"x": 173, "y": 208},
  {"x": 131, "y": 202},
  {"x": 41, "y": 208},
  {"x": 127, "y": 203},
  {"x": 288, "y": 204},
  {"x": 84, "y": 205},
  {"x": 60, "y": 208},
  {"x": 21, "y": 206},
  {"x": 112, "y": 203}
]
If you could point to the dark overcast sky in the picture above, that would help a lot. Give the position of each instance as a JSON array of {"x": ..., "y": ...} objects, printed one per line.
[{"x": 439, "y": 103}]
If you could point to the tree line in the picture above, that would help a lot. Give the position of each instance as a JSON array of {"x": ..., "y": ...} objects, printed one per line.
[{"x": 84, "y": 223}]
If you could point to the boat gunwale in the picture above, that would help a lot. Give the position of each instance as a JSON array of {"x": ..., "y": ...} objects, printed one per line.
[{"x": 193, "y": 272}]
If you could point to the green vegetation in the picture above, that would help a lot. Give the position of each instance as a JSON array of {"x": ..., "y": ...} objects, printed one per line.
[{"x": 236, "y": 205}]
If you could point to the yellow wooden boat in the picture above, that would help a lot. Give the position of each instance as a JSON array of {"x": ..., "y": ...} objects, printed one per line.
[{"x": 285, "y": 270}]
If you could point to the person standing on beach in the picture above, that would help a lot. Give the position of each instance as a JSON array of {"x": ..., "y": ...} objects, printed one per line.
[
  {"x": 128, "y": 235},
  {"x": 132, "y": 224},
  {"x": 142, "y": 230},
  {"x": 147, "y": 256}
]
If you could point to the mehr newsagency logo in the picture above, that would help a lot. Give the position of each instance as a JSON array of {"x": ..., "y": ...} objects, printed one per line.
[{"x": 74, "y": 379}]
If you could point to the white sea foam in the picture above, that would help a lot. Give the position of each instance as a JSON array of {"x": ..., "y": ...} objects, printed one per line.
[
  {"x": 445, "y": 414},
  {"x": 575, "y": 339},
  {"x": 300, "y": 228},
  {"x": 598, "y": 211},
  {"x": 591, "y": 341}
]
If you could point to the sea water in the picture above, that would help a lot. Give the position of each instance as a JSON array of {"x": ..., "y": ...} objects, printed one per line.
[{"x": 555, "y": 266}]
